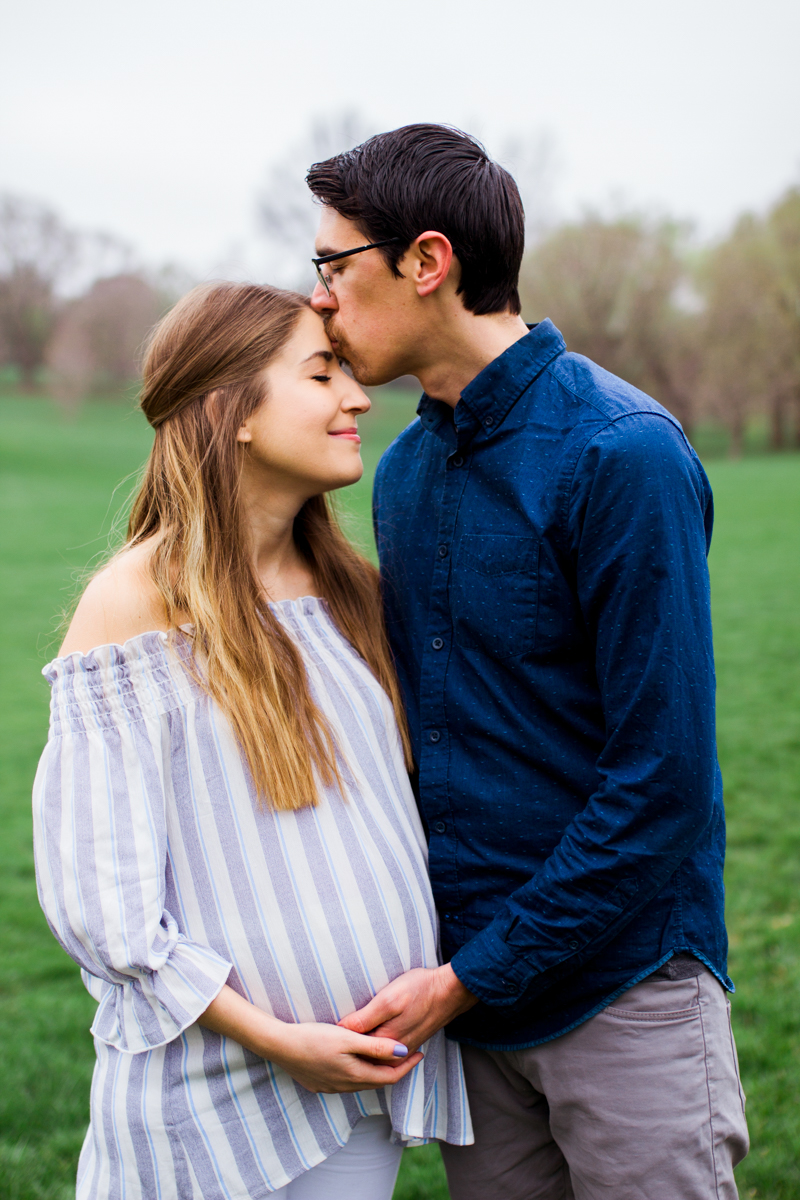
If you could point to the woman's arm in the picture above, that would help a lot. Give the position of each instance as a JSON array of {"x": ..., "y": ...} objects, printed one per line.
[
  {"x": 323, "y": 1058},
  {"x": 100, "y": 840}
]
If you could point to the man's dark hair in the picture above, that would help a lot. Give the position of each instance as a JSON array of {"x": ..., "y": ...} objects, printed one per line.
[{"x": 420, "y": 177}]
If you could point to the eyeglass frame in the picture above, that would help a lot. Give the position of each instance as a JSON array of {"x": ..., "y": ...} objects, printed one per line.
[{"x": 326, "y": 258}]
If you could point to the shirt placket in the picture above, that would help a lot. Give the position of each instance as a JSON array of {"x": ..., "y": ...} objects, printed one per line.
[{"x": 435, "y": 739}]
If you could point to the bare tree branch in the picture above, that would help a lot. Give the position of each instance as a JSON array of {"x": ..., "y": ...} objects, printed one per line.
[{"x": 287, "y": 215}]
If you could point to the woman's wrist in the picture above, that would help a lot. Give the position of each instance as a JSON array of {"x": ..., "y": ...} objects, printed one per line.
[
  {"x": 233, "y": 1016},
  {"x": 273, "y": 1038}
]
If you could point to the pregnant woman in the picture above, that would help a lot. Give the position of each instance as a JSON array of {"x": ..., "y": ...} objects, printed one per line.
[{"x": 226, "y": 839}]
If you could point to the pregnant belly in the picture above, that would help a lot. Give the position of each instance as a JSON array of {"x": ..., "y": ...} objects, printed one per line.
[{"x": 325, "y": 958}]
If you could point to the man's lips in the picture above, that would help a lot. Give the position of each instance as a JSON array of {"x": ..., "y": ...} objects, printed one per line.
[
  {"x": 332, "y": 338},
  {"x": 350, "y": 435}
]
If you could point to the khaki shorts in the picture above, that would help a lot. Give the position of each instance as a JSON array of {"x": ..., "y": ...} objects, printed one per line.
[{"x": 641, "y": 1102}]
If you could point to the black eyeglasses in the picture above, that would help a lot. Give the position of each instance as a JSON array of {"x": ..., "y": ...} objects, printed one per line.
[{"x": 318, "y": 262}]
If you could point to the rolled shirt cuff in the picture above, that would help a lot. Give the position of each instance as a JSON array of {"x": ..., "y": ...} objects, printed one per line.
[{"x": 491, "y": 970}]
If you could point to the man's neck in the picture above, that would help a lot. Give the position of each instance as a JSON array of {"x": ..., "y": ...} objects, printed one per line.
[{"x": 464, "y": 349}]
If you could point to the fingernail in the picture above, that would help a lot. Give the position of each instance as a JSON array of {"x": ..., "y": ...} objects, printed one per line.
[{"x": 400, "y": 1051}]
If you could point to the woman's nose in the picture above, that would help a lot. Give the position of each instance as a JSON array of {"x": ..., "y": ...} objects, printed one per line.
[{"x": 356, "y": 400}]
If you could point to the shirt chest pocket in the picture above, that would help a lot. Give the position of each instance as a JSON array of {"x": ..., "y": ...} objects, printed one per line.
[{"x": 494, "y": 593}]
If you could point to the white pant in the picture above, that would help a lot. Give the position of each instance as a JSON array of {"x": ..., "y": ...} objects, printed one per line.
[{"x": 364, "y": 1169}]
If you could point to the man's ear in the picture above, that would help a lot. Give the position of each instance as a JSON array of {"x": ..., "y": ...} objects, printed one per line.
[{"x": 428, "y": 261}]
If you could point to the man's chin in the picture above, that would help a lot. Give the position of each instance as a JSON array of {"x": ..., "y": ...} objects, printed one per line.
[
  {"x": 363, "y": 372},
  {"x": 357, "y": 368}
]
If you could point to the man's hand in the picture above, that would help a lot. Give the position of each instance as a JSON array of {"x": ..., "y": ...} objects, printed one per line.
[{"x": 412, "y": 1007}]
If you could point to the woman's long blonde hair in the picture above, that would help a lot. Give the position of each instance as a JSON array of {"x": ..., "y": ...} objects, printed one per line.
[{"x": 201, "y": 381}]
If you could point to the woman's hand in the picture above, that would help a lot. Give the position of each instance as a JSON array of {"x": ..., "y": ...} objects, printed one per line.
[
  {"x": 323, "y": 1058},
  {"x": 327, "y": 1058}
]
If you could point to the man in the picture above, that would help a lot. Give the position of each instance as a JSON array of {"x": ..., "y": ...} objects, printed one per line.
[{"x": 542, "y": 531}]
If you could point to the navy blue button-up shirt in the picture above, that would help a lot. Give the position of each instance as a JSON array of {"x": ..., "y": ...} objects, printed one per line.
[{"x": 543, "y": 555}]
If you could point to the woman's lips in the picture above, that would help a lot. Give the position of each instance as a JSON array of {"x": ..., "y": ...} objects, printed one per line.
[{"x": 351, "y": 434}]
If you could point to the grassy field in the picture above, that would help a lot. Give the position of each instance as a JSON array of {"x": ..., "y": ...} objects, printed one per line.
[{"x": 57, "y": 500}]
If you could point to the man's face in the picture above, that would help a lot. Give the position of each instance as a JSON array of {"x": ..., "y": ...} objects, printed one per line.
[{"x": 371, "y": 316}]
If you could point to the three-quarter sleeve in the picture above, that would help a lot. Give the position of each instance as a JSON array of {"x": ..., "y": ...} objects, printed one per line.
[{"x": 101, "y": 848}]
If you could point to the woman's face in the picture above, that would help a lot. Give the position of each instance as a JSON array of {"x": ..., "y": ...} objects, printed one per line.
[{"x": 303, "y": 439}]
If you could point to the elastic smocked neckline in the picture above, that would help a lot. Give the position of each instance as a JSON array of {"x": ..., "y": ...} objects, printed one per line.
[
  {"x": 141, "y": 647},
  {"x": 150, "y": 643},
  {"x": 305, "y": 604}
]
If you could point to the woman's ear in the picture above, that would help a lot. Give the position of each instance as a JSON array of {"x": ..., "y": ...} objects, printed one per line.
[{"x": 243, "y": 433}]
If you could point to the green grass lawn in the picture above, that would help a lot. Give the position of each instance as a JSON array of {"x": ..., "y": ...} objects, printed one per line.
[{"x": 57, "y": 501}]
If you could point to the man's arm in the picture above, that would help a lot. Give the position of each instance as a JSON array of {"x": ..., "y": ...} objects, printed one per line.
[{"x": 637, "y": 534}]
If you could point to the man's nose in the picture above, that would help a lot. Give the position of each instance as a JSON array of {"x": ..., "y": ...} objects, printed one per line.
[{"x": 320, "y": 300}]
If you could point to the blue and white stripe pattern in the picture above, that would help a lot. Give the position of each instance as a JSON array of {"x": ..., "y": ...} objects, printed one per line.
[{"x": 164, "y": 879}]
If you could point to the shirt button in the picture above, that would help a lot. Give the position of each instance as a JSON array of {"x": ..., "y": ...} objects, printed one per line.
[
  {"x": 437, "y": 643},
  {"x": 489, "y": 422},
  {"x": 443, "y": 551},
  {"x": 434, "y": 736},
  {"x": 509, "y": 985},
  {"x": 439, "y": 826},
  {"x": 458, "y": 461},
  {"x": 573, "y": 944}
]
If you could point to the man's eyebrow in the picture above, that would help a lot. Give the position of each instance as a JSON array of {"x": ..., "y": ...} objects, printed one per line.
[{"x": 326, "y": 354}]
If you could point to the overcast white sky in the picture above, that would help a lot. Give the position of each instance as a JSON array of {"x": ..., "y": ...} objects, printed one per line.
[{"x": 158, "y": 119}]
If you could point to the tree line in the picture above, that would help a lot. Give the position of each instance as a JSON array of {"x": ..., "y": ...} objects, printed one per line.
[
  {"x": 74, "y": 311},
  {"x": 713, "y": 332}
]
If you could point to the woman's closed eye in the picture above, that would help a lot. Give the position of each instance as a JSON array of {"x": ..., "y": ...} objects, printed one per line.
[{"x": 322, "y": 378}]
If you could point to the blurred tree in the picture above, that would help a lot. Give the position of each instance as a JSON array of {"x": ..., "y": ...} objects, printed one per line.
[
  {"x": 751, "y": 328},
  {"x": 534, "y": 162},
  {"x": 620, "y": 293},
  {"x": 783, "y": 224},
  {"x": 287, "y": 215},
  {"x": 41, "y": 260},
  {"x": 737, "y": 328},
  {"x": 99, "y": 337},
  {"x": 36, "y": 252}
]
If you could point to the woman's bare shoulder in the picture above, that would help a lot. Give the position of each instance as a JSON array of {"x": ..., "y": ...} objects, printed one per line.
[{"x": 119, "y": 603}]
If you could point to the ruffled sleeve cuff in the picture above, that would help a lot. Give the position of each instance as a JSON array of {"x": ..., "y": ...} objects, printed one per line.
[{"x": 155, "y": 1007}]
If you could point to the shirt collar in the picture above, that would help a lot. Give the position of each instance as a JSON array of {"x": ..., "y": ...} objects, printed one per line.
[{"x": 487, "y": 400}]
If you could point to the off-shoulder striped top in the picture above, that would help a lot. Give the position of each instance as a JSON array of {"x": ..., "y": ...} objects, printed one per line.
[{"x": 164, "y": 879}]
